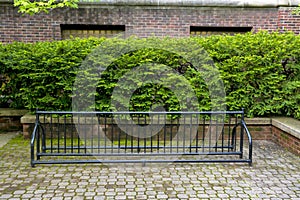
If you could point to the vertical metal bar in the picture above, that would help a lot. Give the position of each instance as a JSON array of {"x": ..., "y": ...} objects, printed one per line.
[
  {"x": 58, "y": 134},
  {"x": 203, "y": 133},
  {"x": 165, "y": 133},
  {"x": 235, "y": 134},
  {"x": 250, "y": 143},
  {"x": 78, "y": 135},
  {"x": 112, "y": 132},
  {"x": 222, "y": 131},
  {"x": 85, "y": 136},
  {"x": 229, "y": 133},
  {"x": 38, "y": 136},
  {"x": 44, "y": 135},
  {"x": 72, "y": 134},
  {"x": 184, "y": 131},
  {"x": 242, "y": 135},
  {"x": 217, "y": 127},
  {"x": 210, "y": 133},
  {"x": 98, "y": 133},
  {"x": 177, "y": 137},
  {"x": 138, "y": 138},
  {"x": 65, "y": 134},
  {"x": 92, "y": 133},
  {"x": 105, "y": 140},
  {"x": 126, "y": 136},
  {"x": 171, "y": 133},
  {"x": 119, "y": 139},
  {"x": 158, "y": 136},
  {"x": 197, "y": 133},
  {"x": 51, "y": 133},
  {"x": 145, "y": 134},
  {"x": 151, "y": 141},
  {"x": 131, "y": 137},
  {"x": 191, "y": 126}
]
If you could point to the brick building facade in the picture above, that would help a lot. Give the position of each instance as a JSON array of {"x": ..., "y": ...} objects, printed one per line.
[{"x": 145, "y": 17}]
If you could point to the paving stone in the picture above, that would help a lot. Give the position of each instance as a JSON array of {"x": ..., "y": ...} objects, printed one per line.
[
  {"x": 120, "y": 197},
  {"x": 183, "y": 196},
  {"x": 19, "y": 192},
  {"x": 5, "y": 196}
]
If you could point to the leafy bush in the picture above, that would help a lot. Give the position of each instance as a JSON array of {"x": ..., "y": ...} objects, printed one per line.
[
  {"x": 261, "y": 73},
  {"x": 41, "y": 75},
  {"x": 150, "y": 71}
]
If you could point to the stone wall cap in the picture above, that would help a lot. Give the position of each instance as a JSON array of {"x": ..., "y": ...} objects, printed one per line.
[
  {"x": 258, "y": 121},
  {"x": 193, "y": 3},
  {"x": 202, "y": 3},
  {"x": 10, "y": 112},
  {"x": 28, "y": 119},
  {"x": 287, "y": 124}
]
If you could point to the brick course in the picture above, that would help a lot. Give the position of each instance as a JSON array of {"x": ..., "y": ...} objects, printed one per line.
[
  {"x": 10, "y": 123},
  {"x": 287, "y": 21},
  {"x": 141, "y": 20},
  {"x": 285, "y": 140}
]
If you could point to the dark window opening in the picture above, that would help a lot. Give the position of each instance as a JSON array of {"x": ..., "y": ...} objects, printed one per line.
[
  {"x": 208, "y": 30},
  {"x": 87, "y": 30}
]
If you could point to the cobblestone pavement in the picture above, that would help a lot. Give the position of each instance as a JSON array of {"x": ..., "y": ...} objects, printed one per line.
[
  {"x": 6, "y": 137},
  {"x": 275, "y": 174}
]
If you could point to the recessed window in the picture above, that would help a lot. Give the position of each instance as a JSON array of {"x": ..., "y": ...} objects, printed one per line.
[
  {"x": 85, "y": 31},
  {"x": 208, "y": 30}
]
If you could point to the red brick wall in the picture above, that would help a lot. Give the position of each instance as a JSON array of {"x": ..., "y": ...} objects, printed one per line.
[
  {"x": 288, "y": 21},
  {"x": 260, "y": 132},
  {"x": 286, "y": 140},
  {"x": 10, "y": 123},
  {"x": 142, "y": 20}
]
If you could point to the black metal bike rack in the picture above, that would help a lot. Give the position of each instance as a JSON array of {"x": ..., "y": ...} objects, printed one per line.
[{"x": 140, "y": 137}]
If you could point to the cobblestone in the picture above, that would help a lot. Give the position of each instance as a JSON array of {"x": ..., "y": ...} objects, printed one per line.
[{"x": 275, "y": 174}]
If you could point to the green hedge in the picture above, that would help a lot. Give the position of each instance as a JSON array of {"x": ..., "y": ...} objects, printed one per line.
[
  {"x": 41, "y": 75},
  {"x": 261, "y": 73}
]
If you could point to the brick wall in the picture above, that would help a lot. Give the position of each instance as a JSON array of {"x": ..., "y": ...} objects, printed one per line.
[
  {"x": 287, "y": 21},
  {"x": 260, "y": 132},
  {"x": 10, "y": 119},
  {"x": 286, "y": 140},
  {"x": 10, "y": 123},
  {"x": 141, "y": 20}
]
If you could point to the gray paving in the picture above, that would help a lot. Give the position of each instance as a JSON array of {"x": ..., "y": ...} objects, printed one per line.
[
  {"x": 275, "y": 174},
  {"x": 6, "y": 137}
]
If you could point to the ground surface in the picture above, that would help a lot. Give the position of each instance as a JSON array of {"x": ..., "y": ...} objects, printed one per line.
[{"x": 275, "y": 174}]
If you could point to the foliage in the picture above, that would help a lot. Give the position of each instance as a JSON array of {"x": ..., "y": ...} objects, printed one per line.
[
  {"x": 261, "y": 73},
  {"x": 34, "y": 7},
  {"x": 41, "y": 75},
  {"x": 145, "y": 70},
  {"x": 296, "y": 11}
]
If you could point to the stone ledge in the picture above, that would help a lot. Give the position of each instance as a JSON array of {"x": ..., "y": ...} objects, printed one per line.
[
  {"x": 288, "y": 125},
  {"x": 194, "y": 3},
  {"x": 28, "y": 119},
  {"x": 197, "y": 3},
  {"x": 258, "y": 121},
  {"x": 9, "y": 112}
]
